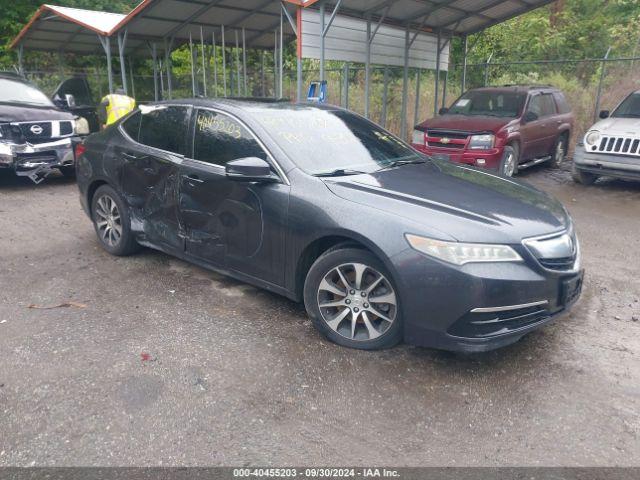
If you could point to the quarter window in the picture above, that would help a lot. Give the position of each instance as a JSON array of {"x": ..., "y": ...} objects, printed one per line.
[
  {"x": 132, "y": 126},
  {"x": 165, "y": 128},
  {"x": 219, "y": 138}
]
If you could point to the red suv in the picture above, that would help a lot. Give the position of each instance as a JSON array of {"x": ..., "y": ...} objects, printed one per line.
[{"x": 500, "y": 128}]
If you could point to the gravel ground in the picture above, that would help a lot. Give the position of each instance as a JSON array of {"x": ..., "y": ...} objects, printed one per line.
[{"x": 169, "y": 364}]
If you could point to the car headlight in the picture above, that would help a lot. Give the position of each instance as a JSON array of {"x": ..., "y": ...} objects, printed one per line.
[
  {"x": 82, "y": 126},
  {"x": 482, "y": 142},
  {"x": 592, "y": 137},
  {"x": 6, "y": 153},
  {"x": 461, "y": 253},
  {"x": 418, "y": 137}
]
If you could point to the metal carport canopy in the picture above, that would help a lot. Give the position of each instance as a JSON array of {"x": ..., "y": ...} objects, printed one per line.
[{"x": 457, "y": 17}]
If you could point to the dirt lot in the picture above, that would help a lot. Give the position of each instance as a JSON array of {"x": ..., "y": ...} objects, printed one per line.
[{"x": 169, "y": 364}]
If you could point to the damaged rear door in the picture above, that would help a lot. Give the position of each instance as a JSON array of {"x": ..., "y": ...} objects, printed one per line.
[{"x": 149, "y": 175}]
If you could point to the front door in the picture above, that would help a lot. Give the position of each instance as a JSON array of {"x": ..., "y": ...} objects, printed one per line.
[
  {"x": 234, "y": 225},
  {"x": 149, "y": 173}
]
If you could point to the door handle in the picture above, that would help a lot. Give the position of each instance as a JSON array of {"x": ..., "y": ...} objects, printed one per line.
[
  {"x": 193, "y": 179},
  {"x": 132, "y": 157}
]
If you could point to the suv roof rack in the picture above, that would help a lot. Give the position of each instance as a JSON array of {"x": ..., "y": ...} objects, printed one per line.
[{"x": 528, "y": 85}]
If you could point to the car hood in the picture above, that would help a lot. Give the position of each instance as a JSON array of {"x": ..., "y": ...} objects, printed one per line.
[
  {"x": 466, "y": 123},
  {"x": 462, "y": 202},
  {"x": 618, "y": 126},
  {"x": 19, "y": 112}
]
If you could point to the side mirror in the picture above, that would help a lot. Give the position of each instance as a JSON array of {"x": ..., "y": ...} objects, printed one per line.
[
  {"x": 443, "y": 111},
  {"x": 530, "y": 116},
  {"x": 604, "y": 114},
  {"x": 70, "y": 100},
  {"x": 250, "y": 169}
]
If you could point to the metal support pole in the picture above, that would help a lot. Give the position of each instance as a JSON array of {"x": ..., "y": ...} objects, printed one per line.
[
  {"x": 281, "y": 59},
  {"x": 599, "y": 94},
  {"x": 299, "y": 54},
  {"x": 385, "y": 96},
  {"x": 154, "y": 58},
  {"x": 464, "y": 65},
  {"x": 161, "y": 80},
  {"x": 322, "y": 41},
  {"x": 238, "y": 78},
  {"x": 275, "y": 63},
  {"x": 367, "y": 70},
  {"x": 486, "y": 70},
  {"x": 133, "y": 85},
  {"x": 405, "y": 86},
  {"x": 417, "y": 106},
  {"x": 444, "y": 88},
  {"x": 224, "y": 63},
  {"x": 215, "y": 64},
  {"x": 168, "y": 44},
  {"x": 244, "y": 61},
  {"x": 262, "y": 85},
  {"x": 21, "y": 59},
  {"x": 436, "y": 95},
  {"x": 106, "y": 45},
  {"x": 204, "y": 70},
  {"x": 345, "y": 88},
  {"x": 193, "y": 72},
  {"x": 122, "y": 41}
]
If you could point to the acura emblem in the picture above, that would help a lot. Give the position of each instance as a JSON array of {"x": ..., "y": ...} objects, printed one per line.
[
  {"x": 36, "y": 129},
  {"x": 444, "y": 140}
]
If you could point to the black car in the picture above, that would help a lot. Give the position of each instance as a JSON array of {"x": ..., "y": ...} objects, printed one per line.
[
  {"x": 36, "y": 135},
  {"x": 321, "y": 205}
]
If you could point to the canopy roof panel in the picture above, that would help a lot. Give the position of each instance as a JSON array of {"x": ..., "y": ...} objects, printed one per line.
[{"x": 457, "y": 17}]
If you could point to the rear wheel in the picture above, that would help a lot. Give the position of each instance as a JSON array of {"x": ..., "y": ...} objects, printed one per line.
[
  {"x": 112, "y": 222},
  {"x": 351, "y": 298},
  {"x": 559, "y": 152},
  {"x": 584, "y": 178},
  {"x": 509, "y": 163}
]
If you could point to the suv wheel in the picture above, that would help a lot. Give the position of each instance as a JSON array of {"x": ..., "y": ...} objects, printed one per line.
[
  {"x": 509, "y": 163},
  {"x": 584, "y": 178},
  {"x": 559, "y": 152},
  {"x": 112, "y": 222},
  {"x": 351, "y": 298}
]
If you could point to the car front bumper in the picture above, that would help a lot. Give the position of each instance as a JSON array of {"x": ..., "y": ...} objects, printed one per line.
[
  {"x": 489, "y": 159},
  {"x": 621, "y": 166},
  {"x": 479, "y": 306},
  {"x": 27, "y": 158}
]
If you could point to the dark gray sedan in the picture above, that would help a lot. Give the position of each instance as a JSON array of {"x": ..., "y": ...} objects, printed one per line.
[{"x": 322, "y": 206}]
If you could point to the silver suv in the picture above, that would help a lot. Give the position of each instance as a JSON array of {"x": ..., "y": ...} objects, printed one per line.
[{"x": 611, "y": 147}]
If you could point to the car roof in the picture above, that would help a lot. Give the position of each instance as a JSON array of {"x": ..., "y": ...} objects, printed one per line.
[
  {"x": 518, "y": 88},
  {"x": 246, "y": 104}
]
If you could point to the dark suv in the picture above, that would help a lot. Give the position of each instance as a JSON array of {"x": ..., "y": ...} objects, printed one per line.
[
  {"x": 37, "y": 134},
  {"x": 500, "y": 128}
]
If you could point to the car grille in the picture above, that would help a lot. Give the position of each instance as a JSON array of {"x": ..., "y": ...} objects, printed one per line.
[
  {"x": 617, "y": 145},
  {"x": 42, "y": 132},
  {"x": 558, "y": 252},
  {"x": 446, "y": 139}
]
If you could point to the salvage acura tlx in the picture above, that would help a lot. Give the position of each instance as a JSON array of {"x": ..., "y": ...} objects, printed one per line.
[{"x": 318, "y": 204}]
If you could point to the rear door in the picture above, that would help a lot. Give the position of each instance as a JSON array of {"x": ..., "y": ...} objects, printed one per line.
[
  {"x": 538, "y": 132},
  {"x": 150, "y": 174},
  {"x": 236, "y": 225}
]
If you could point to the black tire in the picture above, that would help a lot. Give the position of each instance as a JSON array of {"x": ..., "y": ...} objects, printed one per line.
[
  {"x": 125, "y": 244},
  {"x": 583, "y": 178},
  {"x": 68, "y": 172},
  {"x": 386, "y": 333},
  {"x": 559, "y": 156},
  {"x": 506, "y": 168}
]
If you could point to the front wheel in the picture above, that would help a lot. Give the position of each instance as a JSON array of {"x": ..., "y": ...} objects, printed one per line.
[
  {"x": 112, "y": 222},
  {"x": 584, "y": 178},
  {"x": 559, "y": 152},
  {"x": 509, "y": 163},
  {"x": 351, "y": 298}
]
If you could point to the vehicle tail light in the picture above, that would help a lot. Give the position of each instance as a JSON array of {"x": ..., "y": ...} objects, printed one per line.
[{"x": 80, "y": 149}]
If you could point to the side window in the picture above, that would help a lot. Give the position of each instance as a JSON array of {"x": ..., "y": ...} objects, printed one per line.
[
  {"x": 548, "y": 105},
  {"x": 535, "y": 105},
  {"x": 165, "y": 128},
  {"x": 561, "y": 101},
  {"x": 132, "y": 126},
  {"x": 218, "y": 139}
]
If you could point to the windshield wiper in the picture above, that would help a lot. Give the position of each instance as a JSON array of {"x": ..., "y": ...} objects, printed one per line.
[
  {"x": 399, "y": 163},
  {"x": 339, "y": 172}
]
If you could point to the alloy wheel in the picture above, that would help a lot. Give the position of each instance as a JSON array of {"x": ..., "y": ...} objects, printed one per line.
[
  {"x": 357, "y": 301},
  {"x": 509, "y": 165},
  {"x": 108, "y": 220}
]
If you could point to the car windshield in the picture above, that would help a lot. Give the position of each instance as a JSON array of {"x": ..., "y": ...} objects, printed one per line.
[
  {"x": 629, "y": 108},
  {"x": 12, "y": 91},
  {"x": 491, "y": 103},
  {"x": 323, "y": 142}
]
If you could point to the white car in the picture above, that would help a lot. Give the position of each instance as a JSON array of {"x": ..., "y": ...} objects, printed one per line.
[{"x": 611, "y": 147}]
